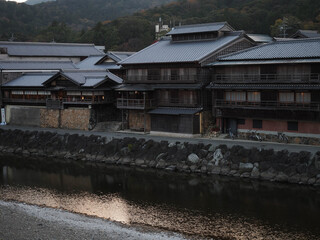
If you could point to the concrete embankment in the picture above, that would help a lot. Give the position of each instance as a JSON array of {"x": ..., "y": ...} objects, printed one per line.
[{"x": 265, "y": 164}]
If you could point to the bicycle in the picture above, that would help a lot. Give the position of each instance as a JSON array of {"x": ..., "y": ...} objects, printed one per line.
[
  {"x": 253, "y": 135},
  {"x": 282, "y": 137}
]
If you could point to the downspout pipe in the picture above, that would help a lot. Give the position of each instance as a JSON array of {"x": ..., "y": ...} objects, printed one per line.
[{"x": 1, "y": 77}]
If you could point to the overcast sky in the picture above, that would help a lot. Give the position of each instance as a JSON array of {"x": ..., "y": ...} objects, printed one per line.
[{"x": 18, "y": 0}]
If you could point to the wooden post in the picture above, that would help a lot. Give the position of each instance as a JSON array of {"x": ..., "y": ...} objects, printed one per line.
[
  {"x": 122, "y": 125},
  {"x": 144, "y": 112}
]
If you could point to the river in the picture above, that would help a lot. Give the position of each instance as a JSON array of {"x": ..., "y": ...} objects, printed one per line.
[{"x": 196, "y": 206}]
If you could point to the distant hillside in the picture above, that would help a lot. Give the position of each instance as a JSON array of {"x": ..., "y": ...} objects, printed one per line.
[
  {"x": 25, "y": 20},
  {"x": 253, "y": 16},
  {"x": 109, "y": 23},
  {"x": 34, "y": 2}
]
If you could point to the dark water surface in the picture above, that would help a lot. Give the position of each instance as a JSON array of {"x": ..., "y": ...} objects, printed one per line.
[{"x": 201, "y": 207}]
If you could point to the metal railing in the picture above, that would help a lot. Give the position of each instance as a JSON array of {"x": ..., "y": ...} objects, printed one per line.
[
  {"x": 313, "y": 106},
  {"x": 125, "y": 103},
  {"x": 267, "y": 78}
]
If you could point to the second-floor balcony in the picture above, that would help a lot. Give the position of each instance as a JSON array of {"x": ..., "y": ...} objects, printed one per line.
[
  {"x": 166, "y": 78},
  {"x": 268, "y": 105},
  {"x": 60, "y": 103},
  {"x": 177, "y": 102},
  {"x": 24, "y": 101},
  {"x": 267, "y": 78},
  {"x": 126, "y": 103}
]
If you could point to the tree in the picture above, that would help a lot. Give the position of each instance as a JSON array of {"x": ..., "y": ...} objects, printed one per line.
[{"x": 285, "y": 27}]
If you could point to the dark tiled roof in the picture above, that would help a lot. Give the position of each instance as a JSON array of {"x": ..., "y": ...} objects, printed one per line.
[
  {"x": 49, "y": 49},
  {"x": 29, "y": 80},
  {"x": 36, "y": 65},
  {"x": 261, "y": 38},
  {"x": 291, "y": 49},
  {"x": 175, "y": 111},
  {"x": 166, "y": 51},
  {"x": 306, "y": 33},
  {"x": 198, "y": 28},
  {"x": 92, "y": 63},
  {"x": 90, "y": 78}
]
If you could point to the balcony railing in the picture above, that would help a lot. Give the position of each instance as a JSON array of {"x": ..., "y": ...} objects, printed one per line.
[
  {"x": 176, "y": 102},
  {"x": 267, "y": 78},
  {"x": 124, "y": 103},
  {"x": 167, "y": 78},
  {"x": 274, "y": 105},
  {"x": 59, "y": 103},
  {"x": 21, "y": 101}
]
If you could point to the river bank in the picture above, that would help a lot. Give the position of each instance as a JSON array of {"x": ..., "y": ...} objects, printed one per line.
[
  {"x": 22, "y": 221},
  {"x": 255, "y": 163}
]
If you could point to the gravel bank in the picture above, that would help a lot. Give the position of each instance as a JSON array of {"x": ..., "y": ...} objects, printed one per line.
[{"x": 22, "y": 221}]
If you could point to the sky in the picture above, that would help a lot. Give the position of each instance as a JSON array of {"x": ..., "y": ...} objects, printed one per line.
[{"x": 19, "y": 1}]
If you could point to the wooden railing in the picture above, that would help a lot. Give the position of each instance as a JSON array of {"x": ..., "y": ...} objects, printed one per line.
[
  {"x": 20, "y": 100},
  {"x": 124, "y": 103},
  {"x": 267, "y": 78},
  {"x": 176, "y": 102},
  {"x": 167, "y": 78},
  {"x": 312, "y": 106},
  {"x": 59, "y": 103}
]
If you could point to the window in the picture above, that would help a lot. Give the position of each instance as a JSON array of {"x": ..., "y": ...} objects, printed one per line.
[
  {"x": 236, "y": 96},
  {"x": 17, "y": 92},
  {"x": 286, "y": 97},
  {"x": 241, "y": 121},
  {"x": 254, "y": 97},
  {"x": 153, "y": 74},
  {"x": 174, "y": 74},
  {"x": 303, "y": 97},
  {"x": 257, "y": 123},
  {"x": 293, "y": 126}
]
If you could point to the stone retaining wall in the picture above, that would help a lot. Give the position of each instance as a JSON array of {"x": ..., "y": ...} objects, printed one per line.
[{"x": 300, "y": 168}]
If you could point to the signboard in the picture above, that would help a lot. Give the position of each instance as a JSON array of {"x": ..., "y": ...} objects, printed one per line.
[{"x": 3, "y": 117}]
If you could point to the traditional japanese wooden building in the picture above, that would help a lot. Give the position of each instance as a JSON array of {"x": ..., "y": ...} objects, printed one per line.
[
  {"x": 270, "y": 88},
  {"x": 164, "y": 88},
  {"x": 68, "y": 89}
]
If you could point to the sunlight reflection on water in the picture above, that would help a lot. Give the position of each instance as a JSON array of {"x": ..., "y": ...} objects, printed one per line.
[{"x": 186, "y": 221}]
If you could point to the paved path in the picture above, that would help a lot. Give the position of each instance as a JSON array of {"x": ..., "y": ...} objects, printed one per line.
[
  {"x": 214, "y": 141},
  {"x": 21, "y": 221}
]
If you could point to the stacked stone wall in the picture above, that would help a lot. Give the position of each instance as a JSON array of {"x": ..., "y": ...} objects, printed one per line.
[
  {"x": 75, "y": 118},
  {"x": 65, "y": 118},
  {"x": 261, "y": 164},
  {"x": 49, "y": 118}
]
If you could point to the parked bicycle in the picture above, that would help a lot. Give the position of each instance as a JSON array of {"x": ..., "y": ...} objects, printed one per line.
[
  {"x": 253, "y": 135},
  {"x": 282, "y": 137}
]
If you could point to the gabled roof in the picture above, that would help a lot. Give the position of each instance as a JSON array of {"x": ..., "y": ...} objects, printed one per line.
[
  {"x": 30, "y": 80},
  {"x": 91, "y": 63},
  {"x": 49, "y": 49},
  {"x": 306, "y": 34},
  {"x": 36, "y": 65},
  {"x": 291, "y": 49},
  {"x": 87, "y": 78},
  {"x": 99, "y": 61},
  {"x": 198, "y": 28},
  {"x": 119, "y": 56},
  {"x": 166, "y": 51},
  {"x": 260, "y": 38}
]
